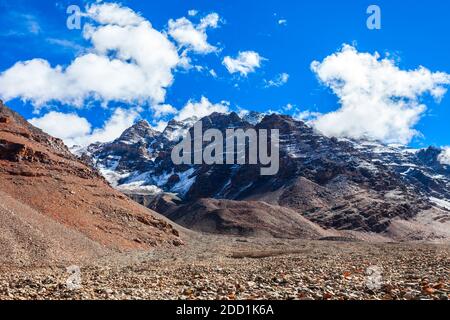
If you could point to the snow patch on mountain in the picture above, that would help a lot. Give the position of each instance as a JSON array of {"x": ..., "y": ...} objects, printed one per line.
[
  {"x": 252, "y": 117},
  {"x": 187, "y": 179},
  {"x": 441, "y": 203},
  {"x": 112, "y": 176},
  {"x": 139, "y": 188},
  {"x": 177, "y": 130}
]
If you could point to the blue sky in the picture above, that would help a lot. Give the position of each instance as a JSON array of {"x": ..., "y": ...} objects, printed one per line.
[{"x": 288, "y": 36}]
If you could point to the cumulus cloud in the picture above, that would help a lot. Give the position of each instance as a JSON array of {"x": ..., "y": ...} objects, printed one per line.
[
  {"x": 163, "y": 110},
  {"x": 65, "y": 126},
  {"x": 246, "y": 62},
  {"x": 194, "y": 37},
  {"x": 444, "y": 157},
  {"x": 114, "y": 14},
  {"x": 282, "y": 22},
  {"x": 202, "y": 108},
  {"x": 306, "y": 115},
  {"x": 378, "y": 100},
  {"x": 279, "y": 81},
  {"x": 76, "y": 130},
  {"x": 210, "y": 21},
  {"x": 113, "y": 128},
  {"x": 129, "y": 61}
]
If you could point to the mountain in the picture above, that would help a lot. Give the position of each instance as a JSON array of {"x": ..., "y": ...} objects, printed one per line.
[
  {"x": 338, "y": 184},
  {"x": 244, "y": 218},
  {"x": 54, "y": 207}
]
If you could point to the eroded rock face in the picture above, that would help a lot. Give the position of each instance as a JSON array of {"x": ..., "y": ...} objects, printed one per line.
[
  {"x": 4, "y": 120},
  {"x": 19, "y": 152}
]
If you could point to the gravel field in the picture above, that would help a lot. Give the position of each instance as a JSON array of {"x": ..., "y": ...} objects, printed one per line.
[{"x": 232, "y": 268}]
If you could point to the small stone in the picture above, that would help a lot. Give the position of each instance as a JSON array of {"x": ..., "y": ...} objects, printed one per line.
[
  {"x": 429, "y": 291},
  {"x": 327, "y": 296},
  {"x": 188, "y": 292},
  {"x": 108, "y": 291},
  {"x": 388, "y": 288}
]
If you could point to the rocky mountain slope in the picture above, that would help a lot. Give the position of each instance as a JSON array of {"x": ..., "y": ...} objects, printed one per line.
[
  {"x": 338, "y": 184},
  {"x": 53, "y": 207},
  {"x": 244, "y": 218}
]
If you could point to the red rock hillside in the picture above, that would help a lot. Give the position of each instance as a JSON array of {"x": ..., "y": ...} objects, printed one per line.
[{"x": 54, "y": 207}]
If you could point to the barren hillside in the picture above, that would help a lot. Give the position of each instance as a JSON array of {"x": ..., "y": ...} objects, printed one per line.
[{"x": 53, "y": 206}]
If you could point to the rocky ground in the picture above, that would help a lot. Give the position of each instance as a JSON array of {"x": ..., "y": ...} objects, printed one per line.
[{"x": 234, "y": 268}]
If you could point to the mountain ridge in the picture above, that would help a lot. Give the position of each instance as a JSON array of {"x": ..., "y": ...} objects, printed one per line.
[{"x": 339, "y": 184}]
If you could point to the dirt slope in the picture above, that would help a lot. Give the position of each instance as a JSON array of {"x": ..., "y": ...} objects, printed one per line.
[
  {"x": 243, "y": 218},
  {"x": 48, "y": 196},
  {"x": 29, "y": 237}
]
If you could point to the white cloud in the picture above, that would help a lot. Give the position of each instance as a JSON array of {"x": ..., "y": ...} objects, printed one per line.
[
  {"x": 279, "y": 81},
  {"x": 242, "y": 112},
  {"x": 210, "y": 21},
  {"x": 444, "y": 157},
  {"x": 306, "y": 115},
  {"x": 65, "y": 126},
  {"x": 65, "y": 44},
  {"x": 20, "y": 24},
  {"x": 194, "y": 37},
  {"x": 113, "y": 128},
  {"x": 282, "y": 22},
  {"x": 139, "y": 71},
  {"x": 202, "y": 108},
  {"x": 114, "y": 14},
  {"x": 160, "y": 126},
  {"x": 32, "y": 24},
  {"x": 213, "y": 73},
  {"x": 192, "y": 13},
  {"x": 288, "y": 107},
  {"x": 378, "y": 100},
  {"x": 246, "y": 62},
  {"x": 75, "y": 130},
  {"x": 164, "y": 110}
]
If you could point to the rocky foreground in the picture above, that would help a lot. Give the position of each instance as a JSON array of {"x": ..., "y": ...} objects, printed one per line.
[{"x": 233, "y": 268}]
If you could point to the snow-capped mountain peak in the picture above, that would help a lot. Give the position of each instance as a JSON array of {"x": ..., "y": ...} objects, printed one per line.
[
  {"x": 139, "y": 132},
  {"x": 176, "y": 130}
]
